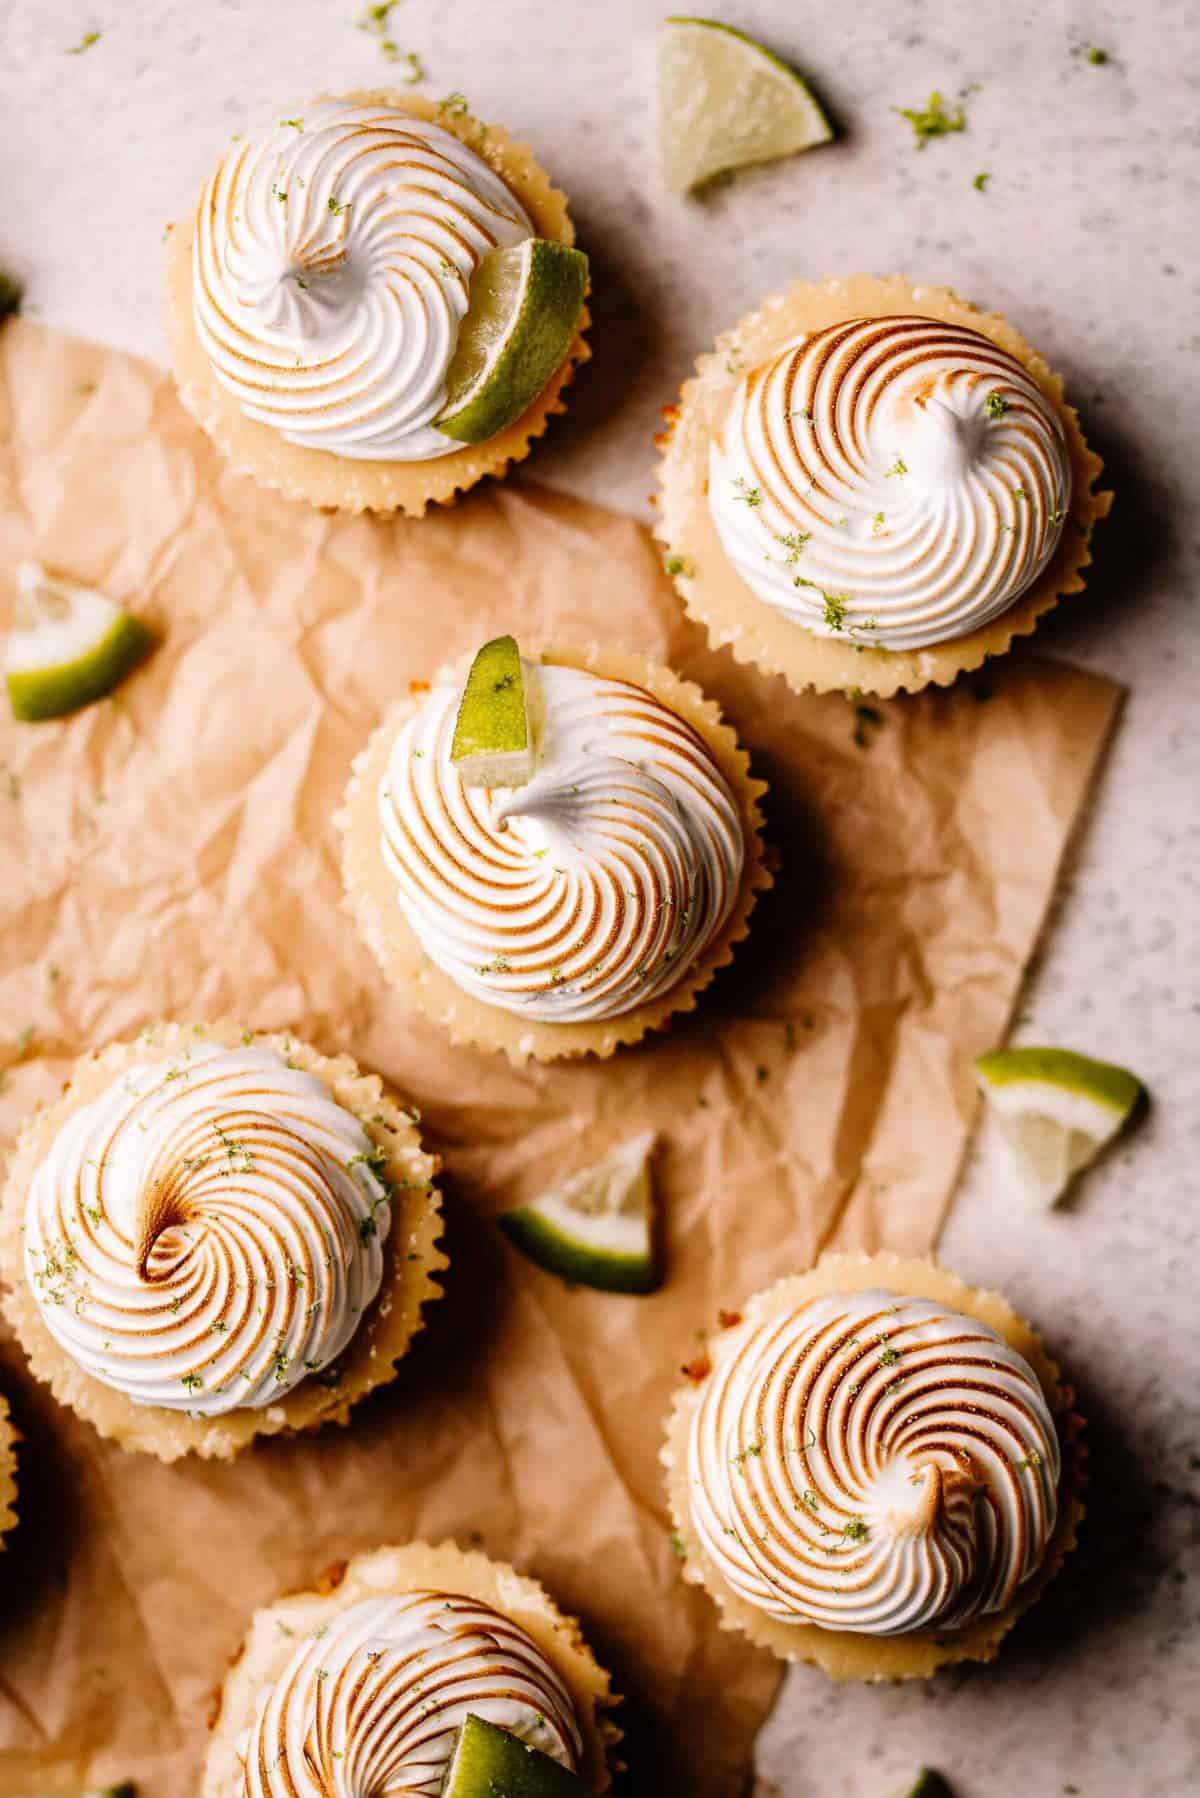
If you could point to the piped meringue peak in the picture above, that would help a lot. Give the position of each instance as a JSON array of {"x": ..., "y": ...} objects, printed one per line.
[
  {"x": 332, "y": 264},
  {"x": 373, "y": 1701},
  {"x": 873, "y": 1463},
  {"x": 588, "y": 891},
  {"x": 208, "y": 1231},
  {"x": 897, "y": 481}
]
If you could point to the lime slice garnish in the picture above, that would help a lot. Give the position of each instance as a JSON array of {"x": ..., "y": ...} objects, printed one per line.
[
  {"x": 68, "y": 645},
  {"x": 490, "y": 1762},
  {"x": 596, "y": 1228},
  {"x": 520, "y": 322},
  {"x": 493, "y": 741},
  {"x": 724, "y": 102},
  {"x": 1056, "y": 1110}
]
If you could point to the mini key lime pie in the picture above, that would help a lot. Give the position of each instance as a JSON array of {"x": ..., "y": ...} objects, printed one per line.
[
  {"x": 368, "y": 1682},
  {"x": 216, "y": 1235},
  {"x": 8, "y": 1470},
  {"x": 873, "y": 485},
  {"x": 553, "y": 852},
  {"x": 875, "y": 1469},
  {"x": 376, "y": 302}
]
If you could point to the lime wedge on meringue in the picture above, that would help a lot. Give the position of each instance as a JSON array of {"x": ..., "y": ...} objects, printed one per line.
[
  {"x": 520, "y": 322},
  {"x": 725, "y": 101},
  {"x": 597, "y": 1227},
  {"x": 1056, "y": 1110},
  {"x": 493, "y": 740},
  {"x": 490, "y": 1762},
  {"x": 67, "y": 646}
]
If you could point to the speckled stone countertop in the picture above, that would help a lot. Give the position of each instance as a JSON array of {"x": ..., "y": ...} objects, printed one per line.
[{"x": 1085, "y": 236}]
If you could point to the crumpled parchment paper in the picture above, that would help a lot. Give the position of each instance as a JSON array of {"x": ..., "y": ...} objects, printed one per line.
[{"x": 171, "y": 853}]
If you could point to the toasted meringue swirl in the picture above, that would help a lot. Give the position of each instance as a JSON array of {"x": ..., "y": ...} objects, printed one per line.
[
  {"x": 207, "y": 1232},
  {"x": 332, "y": 261},
  {"x": 895, "y": 481},
  {"x": 873, "y": 1463},
  {"x": 373, "y": 1702},
  {"x": 586, "y": 892}
]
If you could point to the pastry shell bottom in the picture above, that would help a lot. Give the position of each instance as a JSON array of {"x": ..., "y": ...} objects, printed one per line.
[
  {"x": 715, "y": 595},
  {"x": 846, "y": 1655},
  {"x": 418, "y": 1566},
  {"x": 411, "y": 1257},
  {"x": 8, "y": 1470},
  {"x": 371, "y": 894}
]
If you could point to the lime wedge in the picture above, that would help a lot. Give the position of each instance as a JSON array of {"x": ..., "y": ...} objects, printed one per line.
[
  {"x": 596, "y": 1228},
  {"x": 490, "y": 1762},
  {"x": 930, "y": 1785},
  {"x": 1057, "y": 1110},
  {"x": 724, "y": 102},
  {"x": 68, "y": 646},
  {"x": 493, "y": 742},
  {"x": 520, "y": 322}
]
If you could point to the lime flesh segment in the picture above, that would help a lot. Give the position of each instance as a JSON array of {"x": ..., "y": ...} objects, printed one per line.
[
  {"x": 493, "y": 743},
  {"x": 67, "y": 647},
  {"x": 725, "y": 101},
  {"x": 1056, "y": 1110},
  {"x": 520, "y": 322},
  {"x": 597, "y": 1227},
  {"x": 492, "y": 1763}
]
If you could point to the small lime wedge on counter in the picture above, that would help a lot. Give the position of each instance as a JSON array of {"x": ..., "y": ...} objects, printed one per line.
[
  {"x": 520, "y": 322},
  {"x": 597, "y": 1227},
  {"x": 930, "y": 1785},
  {"x": 493, "y": 739},
  {"x": 1056, "y": 1110},
  {"x": 725, "y": 101},
  {"x": 490, "y": 1762},
  {"x": 67, "y": 646}
]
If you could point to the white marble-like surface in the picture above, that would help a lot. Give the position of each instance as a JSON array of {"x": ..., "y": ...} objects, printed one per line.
[{"x": 1086, "y": 237}]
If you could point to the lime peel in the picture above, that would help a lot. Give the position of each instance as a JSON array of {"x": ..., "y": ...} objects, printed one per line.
[
  {"x": 493, "y": 739},
  {"x": 521, "y": 318},
  {"x": 930, "y": 1784},
  {"x": 489, "y": 1762},
  {"x": 1056, "y": 1110},
  {"x": 596, "y": 1227},
  {"x": 725, "y": 101}
]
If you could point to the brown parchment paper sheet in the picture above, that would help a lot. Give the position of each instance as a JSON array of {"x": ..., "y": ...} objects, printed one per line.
[{"x": 172, "y": 854}]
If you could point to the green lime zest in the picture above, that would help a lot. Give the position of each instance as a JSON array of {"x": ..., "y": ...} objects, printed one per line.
[{"x": 932, "y": 120}]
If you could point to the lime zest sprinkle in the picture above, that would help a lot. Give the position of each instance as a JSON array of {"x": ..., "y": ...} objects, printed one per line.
[
  {"x": 85, "y": 43},
  {"x": 834, "y": 610},
  {"x": 932, "y": 120},
  {"x": 793, "y": 542}
]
